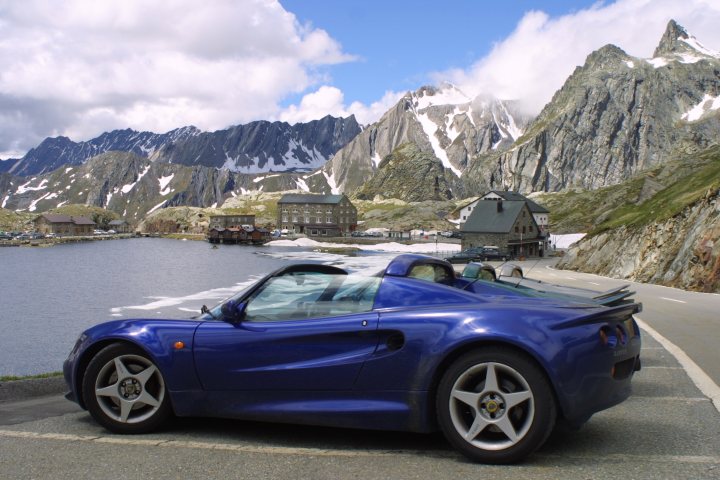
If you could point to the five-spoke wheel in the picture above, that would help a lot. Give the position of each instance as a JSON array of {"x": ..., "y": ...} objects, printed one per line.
[
  {"x": 495, "y": 405},
  {"x": 124, "y": 390}
]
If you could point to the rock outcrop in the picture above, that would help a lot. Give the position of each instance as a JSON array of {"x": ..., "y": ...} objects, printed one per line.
[
  {"x": 615, "y": 116},
  {"x": 683, "y": 251},
  {"x": 409, "y": 174}
]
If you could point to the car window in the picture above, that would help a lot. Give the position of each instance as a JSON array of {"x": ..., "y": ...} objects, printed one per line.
[{"x": 304, "y": 295}]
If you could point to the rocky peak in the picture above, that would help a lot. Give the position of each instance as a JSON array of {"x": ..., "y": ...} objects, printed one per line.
[
  {"x": 671, "y": 39},
  {"x": 676, "y": 42}
]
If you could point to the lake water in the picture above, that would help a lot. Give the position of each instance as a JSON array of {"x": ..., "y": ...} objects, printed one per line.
[{"x": 49, "y": 295}]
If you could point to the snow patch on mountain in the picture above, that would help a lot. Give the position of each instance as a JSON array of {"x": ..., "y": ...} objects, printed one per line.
[
  {"x": 24, "y": 188},
  {"x": 693, "y": 42},
  {"x": 448, "y": 95},
  {"x": 164, "y": 181},
  {"x": 330, "y": 179},
  {"x": 708, "y": 103},
  {"x": 130, "y": 186},
  {"x": 430, "y": 129}
]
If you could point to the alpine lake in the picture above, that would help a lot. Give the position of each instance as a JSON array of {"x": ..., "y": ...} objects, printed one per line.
[{"x": 48, "y": 296}]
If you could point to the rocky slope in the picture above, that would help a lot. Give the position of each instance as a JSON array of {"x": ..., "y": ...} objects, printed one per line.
[
  {"x": 683, "y": 251},
  {"x": 253, "y": 148},
  {"x": 409, "y": 174},
  {"x": 665, "y": 228},
  {"x": 442, "y": 122},
  {"x": 54, "y": 153},
  {"x": 134, "y": 186},
  {"x": 615, "y": 116}
]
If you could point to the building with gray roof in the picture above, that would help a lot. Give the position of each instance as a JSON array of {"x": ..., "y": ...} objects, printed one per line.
[{"x": 509, "y": 225}]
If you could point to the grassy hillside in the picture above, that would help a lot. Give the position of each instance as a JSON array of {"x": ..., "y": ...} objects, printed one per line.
[
  {"x": 652, "y": 196},
  {"x": 13, "y": 221}
]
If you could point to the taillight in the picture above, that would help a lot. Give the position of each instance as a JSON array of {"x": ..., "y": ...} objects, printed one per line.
[{"x": 608, "y": 337}]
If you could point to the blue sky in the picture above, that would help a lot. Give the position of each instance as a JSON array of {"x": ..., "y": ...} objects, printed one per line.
[
  {"x": 400, "y": 43},
  {"x": 151, "y": 65}
]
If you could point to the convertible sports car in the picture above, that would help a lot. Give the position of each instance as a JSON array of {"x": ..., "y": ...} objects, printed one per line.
[{"x": 406, "y": 349}]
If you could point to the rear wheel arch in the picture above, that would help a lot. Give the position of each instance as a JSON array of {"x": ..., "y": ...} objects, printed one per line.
[
  {"x": 500, "y": 419},
  {"x": 454, "y": 355}
]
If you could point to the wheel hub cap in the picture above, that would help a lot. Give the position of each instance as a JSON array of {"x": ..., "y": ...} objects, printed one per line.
[
  {"x": 130, "y": 388},
  {"x": 492, "y": 406}
]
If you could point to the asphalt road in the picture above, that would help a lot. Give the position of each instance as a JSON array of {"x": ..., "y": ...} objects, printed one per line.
[{"x": 668, "y": 429}]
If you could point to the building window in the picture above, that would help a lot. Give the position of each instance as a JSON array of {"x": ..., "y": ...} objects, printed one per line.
[
  {"x": 517, "y": 229},
  {"x": 328, "y": 219},
  {"x": 523, "y": 229},
  {"x": 530, "y": 228}
]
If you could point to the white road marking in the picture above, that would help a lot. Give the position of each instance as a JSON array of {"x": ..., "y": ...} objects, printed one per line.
[
  {"x": 204, "y": 445},
  {"x": 571, "y": 278},
  {"x": 593, "y": 283},
  {"x": 618, "y": 457},
  {"x": 701, "y": 379},
  {"x": 659, "y": 367},
  {"x": 673, "y": 300}
]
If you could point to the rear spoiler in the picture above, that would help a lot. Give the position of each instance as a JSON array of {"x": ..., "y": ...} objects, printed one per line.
[{"x": 615, "y": 314}]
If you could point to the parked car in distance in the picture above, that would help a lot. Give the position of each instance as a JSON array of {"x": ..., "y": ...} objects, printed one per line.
[{"x": 479, "y": 254}]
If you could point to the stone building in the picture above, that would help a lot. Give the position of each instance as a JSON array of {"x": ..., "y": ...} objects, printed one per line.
[
  {"x": 508, "y": 225},
  {"x": 63, "y": 225},
  {"x": 316, "y": 215},
  {"x": 231, "y": 221}
]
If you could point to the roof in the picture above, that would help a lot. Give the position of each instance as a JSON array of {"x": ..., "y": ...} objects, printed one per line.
[
  {"x": 485, "y": 218},
  {"x": 309, "y": 198},
  {"x": 518, "y": 197},
  {"x": 55, "y": 218}
]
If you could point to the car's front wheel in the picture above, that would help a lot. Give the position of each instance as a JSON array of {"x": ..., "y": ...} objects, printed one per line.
[
  {"x": 495, "y": 406},
  {"x": 124, "y": 390}
]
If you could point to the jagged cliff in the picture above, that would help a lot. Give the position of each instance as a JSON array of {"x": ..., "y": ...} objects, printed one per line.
[
  {"x": 660, "y": 227},
  {"x": 615, "y": 116},
  {"x": 442, "y": 122},
  {"x": 683, "y": 251}
]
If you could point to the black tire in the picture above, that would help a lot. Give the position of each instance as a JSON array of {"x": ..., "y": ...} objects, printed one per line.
[
  {"x": 499, "y": 405},
  {"x": 124, "y": 390}
]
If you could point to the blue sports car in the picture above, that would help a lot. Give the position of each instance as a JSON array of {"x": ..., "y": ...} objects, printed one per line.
[{"x": 407, "y": 349}]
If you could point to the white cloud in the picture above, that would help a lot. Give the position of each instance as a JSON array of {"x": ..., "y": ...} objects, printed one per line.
[
  {"x": 90, "y": 66},
  {"x": 331, "y": 101},
  {"x": 536, "y": 59}
]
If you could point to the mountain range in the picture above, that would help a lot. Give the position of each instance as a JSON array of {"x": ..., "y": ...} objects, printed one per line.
[{"x": 615, "y": 116}]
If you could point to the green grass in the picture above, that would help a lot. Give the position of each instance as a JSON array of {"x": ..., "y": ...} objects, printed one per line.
[
  {"x": 685, "y": 180},
  {"x": 12, "y": 378},
  {"x": 668, "y": 202}
]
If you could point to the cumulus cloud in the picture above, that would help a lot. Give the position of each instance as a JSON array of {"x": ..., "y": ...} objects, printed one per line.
[
  {"x": 533, "y": 62},
  {"x": 84, "y": 67},
  {"x": 328, "y": 100}
]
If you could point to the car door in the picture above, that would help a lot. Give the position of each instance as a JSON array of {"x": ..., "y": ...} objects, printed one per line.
[{"x": 299, "y": 333}]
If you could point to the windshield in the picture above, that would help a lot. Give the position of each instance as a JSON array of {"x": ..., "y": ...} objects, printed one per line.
[{"x": 303, "y": 295}]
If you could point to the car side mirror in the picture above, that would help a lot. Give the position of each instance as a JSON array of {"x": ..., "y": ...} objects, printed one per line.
[{"x": 233, "y": 311}]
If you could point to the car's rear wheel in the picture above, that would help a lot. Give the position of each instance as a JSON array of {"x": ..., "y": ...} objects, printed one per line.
[
  {"x": 495, "y": 406},
  {"x": 124, "y": 390}
]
